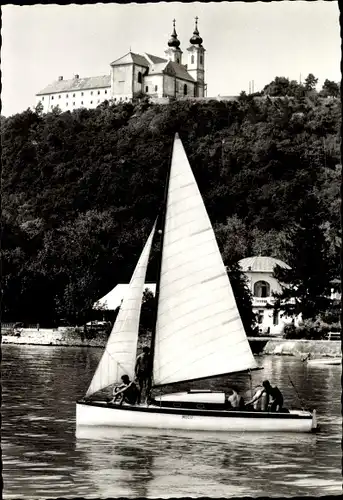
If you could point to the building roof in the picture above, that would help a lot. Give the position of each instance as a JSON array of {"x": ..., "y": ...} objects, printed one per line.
[
  {"x": 171, "y": 68},
  {"x": 158, "y": 66},
  {"x": 92, "y": 82},
  {"x": 180, "y": 71},
  {"x": 155, "y": 59},
  {"x": 261, "y": 264},
  {"x": 113, "y": 299},
  {"x": 131, "y": 58}
]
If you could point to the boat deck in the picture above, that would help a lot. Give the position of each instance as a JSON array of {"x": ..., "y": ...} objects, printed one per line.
[{"x": 144, "y": 408}]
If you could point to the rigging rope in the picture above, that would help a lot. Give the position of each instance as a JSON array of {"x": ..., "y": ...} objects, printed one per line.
[{"x": 300, "y": 399}]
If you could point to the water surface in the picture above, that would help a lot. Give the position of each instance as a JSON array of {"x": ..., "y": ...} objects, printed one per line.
[{"x": 42, "y": 458}]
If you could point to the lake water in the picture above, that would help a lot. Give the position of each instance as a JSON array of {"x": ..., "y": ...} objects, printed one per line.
[{"x": 42, "y": 458}]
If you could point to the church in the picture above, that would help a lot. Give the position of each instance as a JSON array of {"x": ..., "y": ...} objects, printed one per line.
[{"x": 134, "y": 76}]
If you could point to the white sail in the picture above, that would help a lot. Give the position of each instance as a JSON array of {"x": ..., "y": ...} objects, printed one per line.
[
  {"x": 199, "y": 332},
  {"x": 120, "y": 352}
]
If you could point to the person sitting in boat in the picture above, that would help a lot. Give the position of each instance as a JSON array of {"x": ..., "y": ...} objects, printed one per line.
[
  {"x": 235, "y": 401},
  {"x": 264, "y": 393},
  {"x": 143, "y": 373},
  {"x": 260, "y": 400},
  {"x": 127, "y": 392},
  {"x": 275, "y": 394}
]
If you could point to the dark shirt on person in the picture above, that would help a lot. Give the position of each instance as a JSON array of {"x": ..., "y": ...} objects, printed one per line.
[
  {"x": 127, "y": 392},
  {"x": 275, "y": 393},
  {"x": 131, "y": 393}
]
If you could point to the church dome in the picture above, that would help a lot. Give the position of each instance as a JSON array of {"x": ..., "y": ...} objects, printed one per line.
[
  {"x": 196, "y": 38},
  {"x": 261, "y": 264},
  {"x": 174, "y": 41}
]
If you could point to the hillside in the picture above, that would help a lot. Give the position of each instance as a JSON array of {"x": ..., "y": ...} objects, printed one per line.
[{"x": 81, "y": 190}]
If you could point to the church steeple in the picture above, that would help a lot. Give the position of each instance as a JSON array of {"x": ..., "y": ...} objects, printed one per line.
[
  {"x": 174, "y": 53},
  {"x": 173, "y": 41},
  {"x": 196, "y": 61},
  {"x": 196, "y": 38}
]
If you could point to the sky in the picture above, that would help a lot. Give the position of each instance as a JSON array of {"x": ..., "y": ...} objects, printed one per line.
[{"x": 243, "y": 42}]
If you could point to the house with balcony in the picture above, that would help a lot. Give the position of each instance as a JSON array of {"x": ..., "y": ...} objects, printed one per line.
[
  {"x": 259, "y": 272},
  {"x": 262, "y": 284}
]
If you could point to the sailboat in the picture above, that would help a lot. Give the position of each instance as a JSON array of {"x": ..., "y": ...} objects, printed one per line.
[
  {"x": 198, "y": 331},
  {"x": 324, "y": 361}
]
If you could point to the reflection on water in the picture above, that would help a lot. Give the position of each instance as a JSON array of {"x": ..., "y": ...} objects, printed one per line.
[{"x": 42, "y": 458}]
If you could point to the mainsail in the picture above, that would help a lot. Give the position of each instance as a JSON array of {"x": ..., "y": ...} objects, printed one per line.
[
  {"x": 120, "y": 352},
  {"x": 199, "y": 332}
]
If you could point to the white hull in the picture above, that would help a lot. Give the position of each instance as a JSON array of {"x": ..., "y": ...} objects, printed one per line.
[
  {"x": 101, "y": 415},
  {"x": 324, "y": 361}
]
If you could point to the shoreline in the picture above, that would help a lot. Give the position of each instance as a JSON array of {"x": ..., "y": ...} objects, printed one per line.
[{"x": 69, "y": 337}]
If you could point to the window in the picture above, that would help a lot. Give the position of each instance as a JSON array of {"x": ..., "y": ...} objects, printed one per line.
[
  {"x": 201, "y": 60},
  {"x": 59, "y": 97},
  {"x": 81, "y": 103},
  {"x": 105, "y": 91},
  {"x": 275, "y": 318},
  {"x": 120, "y": 99},
  {"x": 261, "y": 289},
  {"x": 178, "y": 60},
  {"x": 185, "y": 89},
  {"x": 192, "y": 59},
  {"x": 260, "y": 314},
  {"x": 98, "y": 92},
  {"x": 73, "y": 95},
  {"x": 98, "y": 100},
  {"x": 81, "y": 94},
  {"x": 115, "y": 99},
  {"x": 43, "y": 98},
  {"x": 91, "y": 102},
  {"x": 73, "y": 103},
  {"x": 139, "y": 77},
  {"x": 146, "y": 89},
  {"x": 67, "y": 95},
  {"x": 52, "y": 97},
  {"x": 156, "y": 88},
  {"x": 66, "y": 104},
  {"x": 91, "y": 92}
]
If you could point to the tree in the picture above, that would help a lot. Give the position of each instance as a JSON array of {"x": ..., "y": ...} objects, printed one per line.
[
  {"x": 271, "y": 243},
  {"x": 330, "y": 89},
  {"x": 233, "y": 239},
  {"x": 281, "y": 86},
  {"x": 81, "y": 189},
  {"x": 39, "y": 108},
  {"x": 311, "y": 82},
  {"x": 243, "y": 297},
  {"x": 306, "y": 286}
]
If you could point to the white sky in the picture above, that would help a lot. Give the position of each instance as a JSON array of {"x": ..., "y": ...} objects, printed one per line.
[{"x": 243, "y": 42}]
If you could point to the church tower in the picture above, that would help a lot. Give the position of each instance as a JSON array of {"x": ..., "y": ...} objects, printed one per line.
[
  {"x": 174, "y": 53},
  {"x": 196, "y": 61}
]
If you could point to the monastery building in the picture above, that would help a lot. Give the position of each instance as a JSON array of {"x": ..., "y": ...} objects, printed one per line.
[{"x": 134, "y": 76}]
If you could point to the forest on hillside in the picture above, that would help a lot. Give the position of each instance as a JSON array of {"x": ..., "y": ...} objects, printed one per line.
[{"x": 81, "y": 189}]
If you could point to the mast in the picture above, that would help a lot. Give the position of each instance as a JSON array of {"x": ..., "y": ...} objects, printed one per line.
[{"x": 159, "y": 264}]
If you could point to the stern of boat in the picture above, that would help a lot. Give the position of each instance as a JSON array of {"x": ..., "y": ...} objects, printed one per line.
[{"x": 315, "y": 426}]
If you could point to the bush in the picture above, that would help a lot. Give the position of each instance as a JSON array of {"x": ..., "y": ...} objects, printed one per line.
[{"x": 310, "y": 330}]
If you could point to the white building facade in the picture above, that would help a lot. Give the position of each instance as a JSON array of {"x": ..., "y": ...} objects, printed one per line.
[
  {"x": 262, "y": 284},
  {"x": 75, "y": 93},
  {"x": 134, "y": 76}
]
